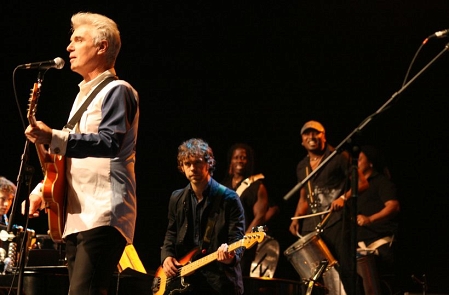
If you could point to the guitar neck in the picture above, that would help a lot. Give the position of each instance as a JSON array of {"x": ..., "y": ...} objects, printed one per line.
[
  {"x": 34, "y": 96},
  {"x": 40, "y": 148},
  {"x": 194, "y": 265}
]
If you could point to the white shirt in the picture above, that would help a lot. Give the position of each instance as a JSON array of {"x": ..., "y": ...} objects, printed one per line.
[{"x": 100, "y": 158}]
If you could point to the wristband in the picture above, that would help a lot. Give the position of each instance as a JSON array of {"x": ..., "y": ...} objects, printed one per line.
[{"x": 343, "y": 197}]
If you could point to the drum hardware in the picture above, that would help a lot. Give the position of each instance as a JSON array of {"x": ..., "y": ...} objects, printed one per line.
[
  {"x": 318, "y": 273},
  {"x": 319, "y": 227},
  {"x": 314, "y": 207},
  {"x": 423, "y": 283}
]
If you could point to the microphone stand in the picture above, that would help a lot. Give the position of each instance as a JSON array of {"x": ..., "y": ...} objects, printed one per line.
[
  {"x": 353, "y": 217},
  {"x": 354, "y": 182},
  {"x": 25, "y": 175}
]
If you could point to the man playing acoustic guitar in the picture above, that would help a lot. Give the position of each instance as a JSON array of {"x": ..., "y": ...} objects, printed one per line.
[{"x": 206, "y": 216}]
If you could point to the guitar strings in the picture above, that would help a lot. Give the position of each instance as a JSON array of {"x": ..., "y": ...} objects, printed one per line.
[{"x": 175, "y": 277}]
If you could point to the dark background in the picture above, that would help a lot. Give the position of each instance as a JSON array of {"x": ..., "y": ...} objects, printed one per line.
[{"x": 255, "y": 71}]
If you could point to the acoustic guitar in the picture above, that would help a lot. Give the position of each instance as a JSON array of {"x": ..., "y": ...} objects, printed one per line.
[
  {"x": 54, "y": 183},
  {"x": 163, "y": 285}
]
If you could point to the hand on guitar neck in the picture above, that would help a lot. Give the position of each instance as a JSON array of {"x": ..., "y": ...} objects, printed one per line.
[{"x": 39, "y": 133}]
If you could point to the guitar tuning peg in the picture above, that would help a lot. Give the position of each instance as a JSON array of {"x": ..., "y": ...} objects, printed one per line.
[{"x": 258, "y": 229}]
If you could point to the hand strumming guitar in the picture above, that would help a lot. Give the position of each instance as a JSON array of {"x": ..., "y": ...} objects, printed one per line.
[
  {"x": 171, "y": 266},
  {"x": 36, "y": 202}
]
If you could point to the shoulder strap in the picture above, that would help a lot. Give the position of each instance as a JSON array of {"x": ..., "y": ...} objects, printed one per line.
[
  {"x": 212, "y": 217},
  {"x": 247, "y": 182},
  {"x": 75, "y": 119},
  {"x": 310, "y": 195}
]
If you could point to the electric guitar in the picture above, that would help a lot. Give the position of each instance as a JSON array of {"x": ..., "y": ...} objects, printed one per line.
[
  {"x": 54, "y": 183},
  {"x": 163, "y": 285}
]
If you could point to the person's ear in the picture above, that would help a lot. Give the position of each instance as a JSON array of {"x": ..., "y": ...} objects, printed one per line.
[{"x": 103, "y": 47}]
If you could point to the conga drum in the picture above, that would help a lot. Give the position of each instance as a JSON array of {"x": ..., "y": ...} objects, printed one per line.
[{"x": 367, "y": 269}]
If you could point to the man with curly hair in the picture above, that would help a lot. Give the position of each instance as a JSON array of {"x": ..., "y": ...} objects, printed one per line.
[{"x": 190, "y": 212}]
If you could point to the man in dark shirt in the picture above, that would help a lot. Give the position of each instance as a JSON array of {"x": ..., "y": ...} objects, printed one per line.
[
  {"x": 328, "y": 189},
  {"x": 207, "y": 216}
]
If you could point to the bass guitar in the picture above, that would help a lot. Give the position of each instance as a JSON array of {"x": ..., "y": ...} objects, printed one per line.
[
  {"x": 163, "y": 285},
  {"x": 54, "y": 183}
]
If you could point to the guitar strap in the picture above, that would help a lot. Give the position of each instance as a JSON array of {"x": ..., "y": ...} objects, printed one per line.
[
  {"x": 75, "y": 119},
  {"x": 310, "y": 195},
  {"x": 212, "y": 217},
  {"x": 247, "y": 182}
]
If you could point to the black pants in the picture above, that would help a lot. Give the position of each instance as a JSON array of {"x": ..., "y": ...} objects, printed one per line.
[{"x": 92, "y": 258}]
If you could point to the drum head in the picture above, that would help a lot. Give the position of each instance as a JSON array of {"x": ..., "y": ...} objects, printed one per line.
[{"x": 266, "y": 260}]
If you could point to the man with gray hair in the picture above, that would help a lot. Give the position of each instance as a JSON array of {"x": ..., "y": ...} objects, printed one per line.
[{"x": 99, "y": 150}]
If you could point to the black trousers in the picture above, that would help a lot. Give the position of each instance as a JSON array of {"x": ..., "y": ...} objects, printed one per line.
[{"x": 92, "y": 258}]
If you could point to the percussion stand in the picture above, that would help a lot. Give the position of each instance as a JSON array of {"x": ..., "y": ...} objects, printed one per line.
[
  {"x": 318, "y": 273},
  {"x": 423, "y": 283},
  {"x": 348, "y": 140}
]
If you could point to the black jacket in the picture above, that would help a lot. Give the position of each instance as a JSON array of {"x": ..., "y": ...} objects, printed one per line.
[{"x": 229, "y": 228}]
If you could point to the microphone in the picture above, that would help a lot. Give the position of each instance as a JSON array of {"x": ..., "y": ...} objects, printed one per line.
[
  {"x": 57, "y": 63},
  {"x": 439, "y": 34}
]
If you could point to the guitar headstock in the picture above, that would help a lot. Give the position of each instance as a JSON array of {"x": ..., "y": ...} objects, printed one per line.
[
  {"x": 32, "y": 104},
  {"x": 259, "y": 229},
  {"x": 257, "y": 236}
]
